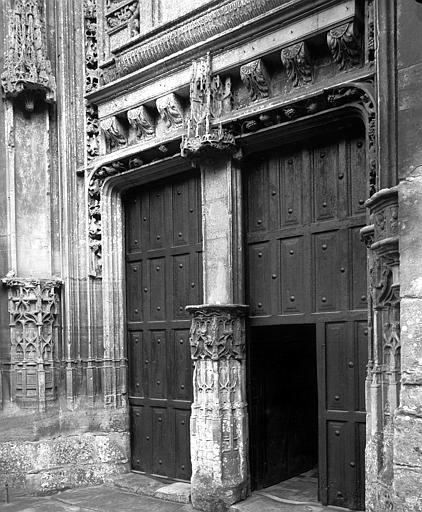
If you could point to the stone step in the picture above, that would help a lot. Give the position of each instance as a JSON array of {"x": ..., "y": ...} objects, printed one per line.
[{"x": 177, "y": 492}]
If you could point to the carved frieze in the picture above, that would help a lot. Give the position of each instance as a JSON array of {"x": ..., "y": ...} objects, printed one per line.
[
  {"x": 345, "y": 45},
  {"x": 27, "y": 71},
  {"x": 34, "y": 308},
  {"x": 297, "y": 61},
  {"x": 114, "y": 134},
  {"x": 117, "y": 16},
  {"x": 254, "y": 75},
  {"x": 171, "y": 112},
  {"x": 143, "y": 122},
  {"x": 189, "y": 33},
  {"x": 217, "y": 332}
]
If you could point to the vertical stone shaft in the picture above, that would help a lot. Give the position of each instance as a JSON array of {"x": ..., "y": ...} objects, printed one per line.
[{"x": 219, "y": 425}]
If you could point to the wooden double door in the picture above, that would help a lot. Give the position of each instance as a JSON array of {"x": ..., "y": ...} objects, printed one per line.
[
  {"x": 163, "y": 275},
  {"x": 307, "y": 291}
]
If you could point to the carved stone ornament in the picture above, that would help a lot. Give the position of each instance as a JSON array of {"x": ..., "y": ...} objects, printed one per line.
[
  {"x": 296, "y": 60},
  {"x": 117, "y": 16},
  {"x": 345, "y": 45},
  {"x": 210, "y": 97},
  {"x": 170, "y": 110},
  {"x": 384, "y": 368},
  {"x": 94, "y": 212},
  {"x": 27, "y": 71},
  {"x": 143, "y": 122},
  {"x": 113, "y": 132},
  {"x": 201, "y": 28},
  {"x": 91, "y": 78},
  {"x": 34, "y": 308},
  {"x": 217, "y": 332},
  {"x": 254, "y": 75}
]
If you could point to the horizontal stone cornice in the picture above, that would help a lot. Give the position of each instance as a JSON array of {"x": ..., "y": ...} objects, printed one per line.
[{"x": 209, "y": 30}]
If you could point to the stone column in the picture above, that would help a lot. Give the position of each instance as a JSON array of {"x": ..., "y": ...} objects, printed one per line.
[
  {"x": 219, "y": 422},
  {"x": 384, "y": 366}
]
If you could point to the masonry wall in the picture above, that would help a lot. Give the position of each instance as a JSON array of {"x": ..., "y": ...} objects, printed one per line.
[{"x": 408, "y": 420}]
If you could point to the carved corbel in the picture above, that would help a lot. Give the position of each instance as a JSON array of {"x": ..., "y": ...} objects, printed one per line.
[
  {"x": 113, "y": 133},
  {"x": 27, "y": 71},
  {"x": 143, "y": 122},
  {"x": 345, "y": 45},
  {"x": 255, "y": 76},
  {"x": 170, "y": 109},
  {"x": 296, "y": 60}
]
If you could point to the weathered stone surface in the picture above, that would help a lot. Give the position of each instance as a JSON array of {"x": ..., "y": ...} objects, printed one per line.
[
  {"x": 178, "y": 492},
  {"x": 408, "y": 489},
  {"x": 408, "y": 441}
]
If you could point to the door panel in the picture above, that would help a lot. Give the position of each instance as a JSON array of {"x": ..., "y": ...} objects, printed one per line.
[
  {"x": 306, "y": 263},
  {"x": 163, "y": 275}
]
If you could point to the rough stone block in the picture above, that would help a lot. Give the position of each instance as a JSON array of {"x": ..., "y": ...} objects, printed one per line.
[
  {"x": 408, "y": 488},
  {"x": 411, "y": 336},
  {"x": 408, "y": 441},
  {"x": 178, "y": 492}
]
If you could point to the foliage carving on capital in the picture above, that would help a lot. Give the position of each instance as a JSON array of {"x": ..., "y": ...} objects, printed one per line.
[
  {"x": 171, "y": 111},
  {"x": 27, "y": 71},
  {"x": 217, "y": 332},
  {"x": 345, "y": 45},
  {"x": 297, "y": 61},
  {"x": 143, "y": 122},
  {"x": 256, "y": 79}
]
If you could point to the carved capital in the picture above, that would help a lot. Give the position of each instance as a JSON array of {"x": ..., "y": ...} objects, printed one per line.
[
  {"x": 297, "y": 61},
  {"x": 27, "y": 70},
  {"x": 217, "y": 332},
  {"x": 143, "y": 122},
  {"x": 255, "y": 76},
  {"x": 170, "y": 109},
  {"x": 114, "y": 133},
  {"x": 345, "y": 45},
  {"x": 384, "y": 210},
  {"x": 34, "y": 307}
]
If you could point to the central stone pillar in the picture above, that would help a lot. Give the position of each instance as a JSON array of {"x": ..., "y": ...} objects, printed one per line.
[{"x": 219, "y": 422}]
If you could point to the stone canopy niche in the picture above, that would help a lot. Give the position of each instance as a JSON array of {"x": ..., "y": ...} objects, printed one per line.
[{"x": 27, "y": 71}]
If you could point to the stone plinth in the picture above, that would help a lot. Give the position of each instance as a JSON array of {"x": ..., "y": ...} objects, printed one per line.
[{"x": 219, "y": 423}]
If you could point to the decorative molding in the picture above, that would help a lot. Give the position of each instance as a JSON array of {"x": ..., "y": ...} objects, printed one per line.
[
  {"x": 170, "y": 109},
  {"x": 345, "y": 45},
  {"x": 254, "y": 75},
  {"x": 95, "y": 183},
  {"x": 27, "y": 71},
  {"x": 191, "y": 32},
  {"x": 91, "y": 79},
  {"x": 217, "y": 332},
  {"x": 34, "y": 309},
  {"x": 142, "y": 121},
  {"x": 114, "y": 134},
  {"x": 296, "y": 60}
]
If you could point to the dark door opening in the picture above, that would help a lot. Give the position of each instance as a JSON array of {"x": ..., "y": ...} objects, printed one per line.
[{"x": 284, "y": 403}]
